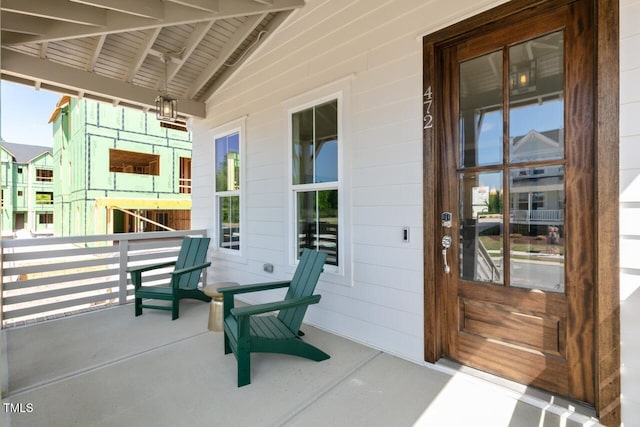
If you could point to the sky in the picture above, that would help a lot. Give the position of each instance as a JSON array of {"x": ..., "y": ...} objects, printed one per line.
[{"x": 25, "y": 113}]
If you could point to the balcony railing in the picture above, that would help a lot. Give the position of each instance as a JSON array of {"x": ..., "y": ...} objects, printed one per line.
[
  {"x": 538, "y": 216},
  {"x": 184, "y": 185},
  {"x": 52, "y": 277}
]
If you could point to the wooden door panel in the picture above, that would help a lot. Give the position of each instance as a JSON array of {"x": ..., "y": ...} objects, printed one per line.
[
  {"x": 506, "y": 324},
  {"x": 526, "y": 367},
  {"x": 512, "y": 326}
]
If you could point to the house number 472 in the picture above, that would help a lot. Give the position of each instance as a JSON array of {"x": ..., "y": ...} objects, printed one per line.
[{"x": 428, "y": 101}]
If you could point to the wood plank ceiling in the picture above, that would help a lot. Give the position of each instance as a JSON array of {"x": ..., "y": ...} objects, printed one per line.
[{"x": 112, "y": 50}]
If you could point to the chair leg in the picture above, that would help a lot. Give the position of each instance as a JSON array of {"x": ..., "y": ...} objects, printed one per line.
[
  {"x": 244, "y": 368},
  {"x": 227, "y": 346},
  {"x": 175, "y": 308},
  {"x": 138, "y": 305}
]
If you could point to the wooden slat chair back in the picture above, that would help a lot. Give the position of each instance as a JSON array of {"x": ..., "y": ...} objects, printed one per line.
[
  {"x": 192, "y": 252},
  {"x": 188, "y": 268},
  {"x": 246, "y": 332},
  {"x": 303, "y": 284}
]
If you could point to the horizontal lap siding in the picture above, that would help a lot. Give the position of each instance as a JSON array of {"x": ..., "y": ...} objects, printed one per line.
[
  {"x": 376, "y": 44},
  {"x": 630, "y": 207}
]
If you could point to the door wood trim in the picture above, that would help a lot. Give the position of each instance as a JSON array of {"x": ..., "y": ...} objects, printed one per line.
[
  {"x": 607, "y": 140},
  {"x": 605, "y": 177}
]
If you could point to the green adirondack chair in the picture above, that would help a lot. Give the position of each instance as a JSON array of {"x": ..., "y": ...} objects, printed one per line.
[
  {"x": 184, "y": 278},
  {"x": 246, "y": 333}
]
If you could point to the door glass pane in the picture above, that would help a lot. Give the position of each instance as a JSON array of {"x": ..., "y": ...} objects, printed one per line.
[
  {"x": 481, "y": 111},
  {"x": 317, "y": 223},
  {"x": 537, "y": 228},
  {"x": 536, "y": 99},
  {"x": 481, "y": 227}
]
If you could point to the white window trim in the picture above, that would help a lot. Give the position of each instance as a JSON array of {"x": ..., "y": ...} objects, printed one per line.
[
  {"x": 341, "y": 91},
  {"x": 235, "y": 126}
]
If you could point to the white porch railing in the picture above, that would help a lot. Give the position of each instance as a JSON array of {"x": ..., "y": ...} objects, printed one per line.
[
  {"x": 51, "y": 277},
  {"x": 539, "y": 216}
]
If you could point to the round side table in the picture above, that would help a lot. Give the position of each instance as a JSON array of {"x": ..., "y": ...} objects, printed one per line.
[{"x": 216, "y": 309}]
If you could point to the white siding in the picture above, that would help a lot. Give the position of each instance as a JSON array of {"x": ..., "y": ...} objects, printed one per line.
[
  {"x": 630, "y": 207},
  {"x": 376, "y": 46}
]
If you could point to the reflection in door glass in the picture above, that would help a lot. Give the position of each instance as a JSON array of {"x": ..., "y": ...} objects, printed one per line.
[
  {"x": 537, "y": 228},
  {"x": 481, "y": 111},
  {"x": 481, "y": 227},
  {"x": 536, "y": 99}
]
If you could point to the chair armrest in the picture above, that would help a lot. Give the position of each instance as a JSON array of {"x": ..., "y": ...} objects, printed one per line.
[
  {"x": 273, "y": 306},
  {"x": 150, "y": 267},
  {"x": 243, "y": 289},
  {"x": 190, "y": 269}
]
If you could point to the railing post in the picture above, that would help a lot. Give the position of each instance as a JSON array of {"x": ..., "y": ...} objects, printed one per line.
[
  {"x": 4, "y": 374},
  {"x": 1, "y": 275},
  {"x": 122, "y": 279}
]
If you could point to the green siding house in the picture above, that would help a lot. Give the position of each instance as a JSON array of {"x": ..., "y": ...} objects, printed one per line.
[
  {"x": 26, "y": 181},
  {"x": 119, "y": 170}
]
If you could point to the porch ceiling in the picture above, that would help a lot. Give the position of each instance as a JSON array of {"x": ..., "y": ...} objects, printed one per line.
[{"x": 111, "y": 50}]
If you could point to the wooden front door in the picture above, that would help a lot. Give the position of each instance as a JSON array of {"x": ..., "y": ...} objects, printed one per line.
[{"x": 511, "y": 108}]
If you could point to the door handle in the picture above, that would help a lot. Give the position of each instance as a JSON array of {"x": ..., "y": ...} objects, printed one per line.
[{"x": 446, "y": 244}]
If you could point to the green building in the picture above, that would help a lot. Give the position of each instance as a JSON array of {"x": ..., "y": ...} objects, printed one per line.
[
  {"x": 120, "y": 170},
  {"x": 26, "y": 181}
]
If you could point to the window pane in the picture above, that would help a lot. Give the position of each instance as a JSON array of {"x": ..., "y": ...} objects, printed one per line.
[
  {"x": 481, "y": 111},
  {"x": 481, "y": 227},
  {"x": 326, "y": 142},
  {"x": 317, "y": 222},
  {"x": 302, "y": 123},
  {"x": 536, "y": 101},
  {"x": 228, "y": 163},
  {"x": 229, "y": 214},
  {"x": 315, "y": 144},
  {"x": 44, "y": 198},
  {"x": 537, "y": 228}
]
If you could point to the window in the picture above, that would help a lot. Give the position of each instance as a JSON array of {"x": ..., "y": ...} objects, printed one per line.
[
  {"x": 133, "y": 162},
  {"x": 44, "y": 175},
  {"x": 315, "y": 179},
  {"x": 184, "y": 184},
  {"x": 44, "y": 198},
  {"x": 227, "y": 191},
  {"x": 45, "y": 218},
  {"x": 19, "y": 170}
]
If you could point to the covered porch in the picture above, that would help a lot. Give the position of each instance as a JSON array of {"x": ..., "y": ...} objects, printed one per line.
[
  {"x": 107, "y": 367},
  {"x": 278, "y": 59}
]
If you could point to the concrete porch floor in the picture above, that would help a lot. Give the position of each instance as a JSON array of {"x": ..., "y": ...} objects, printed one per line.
[{"x": 108, "y": 368}]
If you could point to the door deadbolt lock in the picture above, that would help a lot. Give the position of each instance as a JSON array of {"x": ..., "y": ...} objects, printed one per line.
[{"x": 446, "y": 219}]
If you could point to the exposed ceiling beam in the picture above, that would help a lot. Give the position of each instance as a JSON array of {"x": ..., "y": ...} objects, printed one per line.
[
  {"x": 206, "y": 5},
  {"x": 236, "y": 40},
  {"x": 141, "y": 55},
  {"x": 24, "y": 24},
  {"x": 96, "y": 52},
  {"x": 43, "y": 50},
  {"x": 200, "y": 30},
  {"x": 174, "y": 15},
  {"x": 144, "y": 8},
  {"x": 226, "y": 75},
  {"x": 22, "y": 66},
  {"x": 60, "y": 10}
]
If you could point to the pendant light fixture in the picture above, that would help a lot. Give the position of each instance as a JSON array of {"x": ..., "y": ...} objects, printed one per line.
[{"x": 166, "y": 107}]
